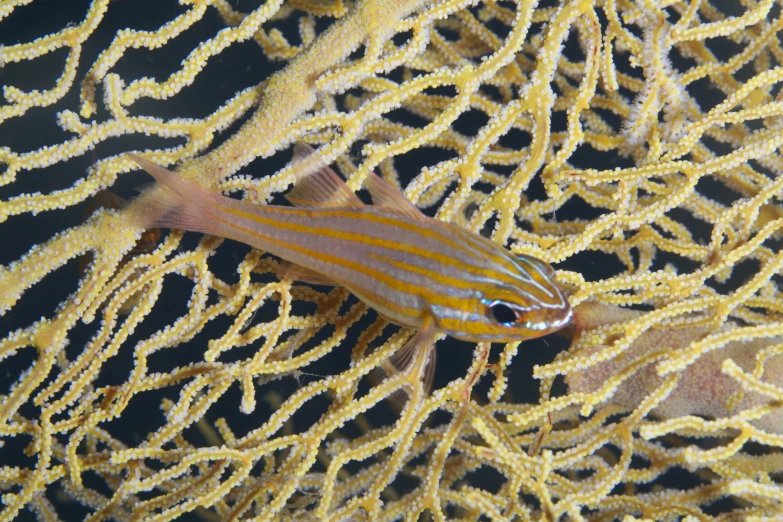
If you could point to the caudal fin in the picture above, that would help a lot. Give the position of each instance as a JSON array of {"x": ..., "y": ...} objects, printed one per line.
[{"x": 174, "y": 202}]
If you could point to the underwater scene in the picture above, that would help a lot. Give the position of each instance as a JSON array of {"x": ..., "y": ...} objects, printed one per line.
[{"x": 391, "y": 260}]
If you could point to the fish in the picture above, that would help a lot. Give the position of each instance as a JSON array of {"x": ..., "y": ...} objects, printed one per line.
[{"x": 415, "y": 271}]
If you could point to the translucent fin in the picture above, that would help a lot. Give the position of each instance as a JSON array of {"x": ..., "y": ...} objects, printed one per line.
[
  {"x": 173, "y": 202},
  {"x": 317, "y": 185},
  {"x": 294, "y": 272},
  {"x": 419, "y": 350},
  {"x": 429, "y": 370},
  {"x": 385, "y": 195}
]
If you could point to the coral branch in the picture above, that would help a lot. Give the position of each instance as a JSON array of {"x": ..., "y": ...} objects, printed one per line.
[{"x": 634, "y": 145}]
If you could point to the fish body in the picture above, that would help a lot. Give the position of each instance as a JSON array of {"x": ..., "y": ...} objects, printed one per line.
[{"x": 416, "y": 271}]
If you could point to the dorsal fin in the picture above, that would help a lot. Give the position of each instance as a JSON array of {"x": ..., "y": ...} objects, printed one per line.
[
  {"x": 385, "y": 195},
  {"x": 316, "y": 184}
]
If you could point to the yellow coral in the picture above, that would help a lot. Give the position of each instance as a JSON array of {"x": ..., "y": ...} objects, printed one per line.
[{"x": 639, "y": 136}]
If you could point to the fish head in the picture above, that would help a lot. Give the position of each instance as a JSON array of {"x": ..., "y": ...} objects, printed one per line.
[{"x": 524, "y": 301}]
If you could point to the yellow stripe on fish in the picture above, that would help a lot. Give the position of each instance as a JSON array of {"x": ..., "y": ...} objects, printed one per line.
[{"x": 416, "y": 271}]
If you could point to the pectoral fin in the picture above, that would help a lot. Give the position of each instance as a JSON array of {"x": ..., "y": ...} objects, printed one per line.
[
  {"x": 317, "y": 185},
  {"x": 416, "y": 356}
]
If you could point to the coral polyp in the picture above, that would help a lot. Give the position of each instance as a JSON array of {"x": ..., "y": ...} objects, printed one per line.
[{"x": 634, "y": 146}]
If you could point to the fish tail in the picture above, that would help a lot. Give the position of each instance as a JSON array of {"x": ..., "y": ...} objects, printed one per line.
[{"x": 174, "y": 202}]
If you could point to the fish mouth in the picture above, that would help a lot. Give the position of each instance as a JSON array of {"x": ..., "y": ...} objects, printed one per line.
[
  {"x": 564, "y": 319},
  {"x": 553, "y": 318}
]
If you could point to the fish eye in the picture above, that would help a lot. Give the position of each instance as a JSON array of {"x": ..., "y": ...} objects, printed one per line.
[{"x": 502, "y": 313}]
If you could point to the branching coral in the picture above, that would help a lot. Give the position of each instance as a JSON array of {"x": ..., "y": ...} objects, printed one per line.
[{"x": 642, "y": 136}]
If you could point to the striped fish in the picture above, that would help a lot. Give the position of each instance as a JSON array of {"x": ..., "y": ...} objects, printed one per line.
[{"x": 415, "y": 271}]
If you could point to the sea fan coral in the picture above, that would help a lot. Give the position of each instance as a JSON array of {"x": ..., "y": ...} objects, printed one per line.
[{"x": 633, "y": 145}]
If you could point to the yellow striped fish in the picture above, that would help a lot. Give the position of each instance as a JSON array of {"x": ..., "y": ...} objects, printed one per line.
[{"x": 416, "y": 271}]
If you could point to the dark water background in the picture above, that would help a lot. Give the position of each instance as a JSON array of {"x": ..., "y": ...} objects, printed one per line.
[{"x": 242, "y": 65}]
